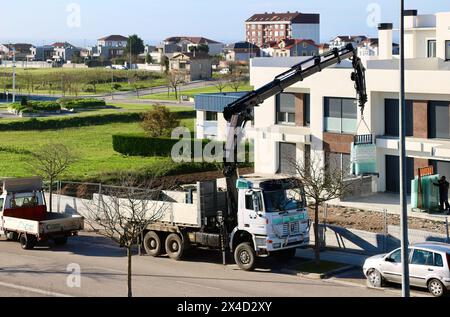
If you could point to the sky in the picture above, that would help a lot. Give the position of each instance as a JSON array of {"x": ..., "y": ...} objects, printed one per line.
[{"x": 82, "y": 22}]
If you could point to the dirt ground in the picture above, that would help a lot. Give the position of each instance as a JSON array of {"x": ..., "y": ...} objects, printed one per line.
[{"x": 373, "y": 221}]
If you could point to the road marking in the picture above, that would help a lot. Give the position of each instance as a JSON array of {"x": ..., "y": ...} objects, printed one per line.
[{"x": 34, "y": 290}]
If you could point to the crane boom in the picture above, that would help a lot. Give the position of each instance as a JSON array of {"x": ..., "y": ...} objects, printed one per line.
[{"x": 239, "y": 112}]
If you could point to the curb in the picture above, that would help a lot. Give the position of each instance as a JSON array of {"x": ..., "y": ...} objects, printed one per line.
[{"x": 318, "y": 276}]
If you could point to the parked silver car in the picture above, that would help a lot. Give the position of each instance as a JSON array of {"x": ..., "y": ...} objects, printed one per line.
[{"x": 429, "y": 266}]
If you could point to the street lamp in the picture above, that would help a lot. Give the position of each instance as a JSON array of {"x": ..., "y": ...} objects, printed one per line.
[
  {"x": 403, "y": 180},
  {"x": 14, "y": 75}
]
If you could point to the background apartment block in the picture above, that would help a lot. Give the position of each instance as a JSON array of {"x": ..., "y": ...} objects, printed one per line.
[{"x": 262, "y": 29}]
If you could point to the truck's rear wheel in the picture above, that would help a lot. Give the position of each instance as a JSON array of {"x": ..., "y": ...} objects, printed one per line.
[
  {"x": 61, "y": 241},
  {"x": 152, "y": 244},
  {"x": 174, "y": 246},
  {"x": 245, "y": 256},
  {"x": 27, "y": 242}
]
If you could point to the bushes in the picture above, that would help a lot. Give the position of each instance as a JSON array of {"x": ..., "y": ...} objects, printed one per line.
[
  {"x": 160, "y": 122},
  {"x": 72, "y": 104},
  {"x": 69, "y": 122},
  {"x": 140, "y": 145},
  {"x": 35, "y": 107}
]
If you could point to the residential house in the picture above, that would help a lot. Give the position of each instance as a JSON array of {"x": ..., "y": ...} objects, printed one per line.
[
  {"x": 65, "y": 52},
  {"x": 343, "y": 40},
  {"x": 369, "y": 47},
  {"x": 261, "y": 29},
  {"x": 319, "y": 117},
  {"x": 20, "y": 50},
  {"x": 241, "y": 52},
  {"x": 197, "y": 66},
  {"x": 295, "y": 47},
  {"x": 185, "y": 44},
  {"x": 323, "y": 48},
  {"x": 41, "y": 53},
  {"x": 111, "y": 46}
]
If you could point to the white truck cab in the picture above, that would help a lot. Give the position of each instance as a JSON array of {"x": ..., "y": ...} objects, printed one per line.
[{"x": 273, "y": 212}]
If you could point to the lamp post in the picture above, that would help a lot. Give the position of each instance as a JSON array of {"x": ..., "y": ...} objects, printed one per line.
[
  {"x": 14, "y": 76},
  {"x": 403, "y": 180}
]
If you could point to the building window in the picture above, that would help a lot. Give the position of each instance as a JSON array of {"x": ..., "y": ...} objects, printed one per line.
[
  {"x": 431, "y": 48},
  {"x": 391, "y": 118},
  {"x": 282, "y": 26},
  {"x": 211, "y": 116},
  {"x": 285, "y": 104},
  {"x": 438, "y": 117},
  {"x": 307, "y": 110},
  {"x": 340, "y": 115},
  {"x": 447, "y": 50},
  {"x": 337, "y": 164}
]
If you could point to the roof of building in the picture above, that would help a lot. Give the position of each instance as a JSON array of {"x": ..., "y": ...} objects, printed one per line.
[
  {"x": 193, "y": 55},
  {"x": 294, "y": 17},
  {"x": 350, "y": 38},
  {"x": 20, "y": 47},
  {"x": 114, "y": 38},
  {"x": 193, "y": 39},
  {"x": 61, "y": 44},
  {"x": 372, "y": 42},
  {"x": 242, "y": 46},
  {"x": 290, "y": 43},
  {"x": 216, "y": 102}
]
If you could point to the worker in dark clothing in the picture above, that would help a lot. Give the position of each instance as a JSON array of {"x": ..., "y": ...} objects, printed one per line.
[{"x": 443, "y": 193}]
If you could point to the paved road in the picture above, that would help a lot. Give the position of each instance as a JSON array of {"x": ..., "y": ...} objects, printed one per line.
[{"x": 44, "y": 272}]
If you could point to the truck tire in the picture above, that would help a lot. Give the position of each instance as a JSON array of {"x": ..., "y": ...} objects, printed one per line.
[
  {"x": 27, "y": 242},
  {"x": 11, "y": 236},
  {"x": 245, "y": 256},
  {"x": 284, "y": 255},
  {"x": 174, "y": 247},
  {"x": 60, "y": 241},
  {"x": 152, "y": 244}
]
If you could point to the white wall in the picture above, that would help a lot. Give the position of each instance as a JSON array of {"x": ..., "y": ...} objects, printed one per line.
[{"x": 442, "y": 32}]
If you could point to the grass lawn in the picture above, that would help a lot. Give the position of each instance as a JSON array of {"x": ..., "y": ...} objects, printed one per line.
[
  {"x": 92, "y": 146},
  {"x": 193, "y": 92}
]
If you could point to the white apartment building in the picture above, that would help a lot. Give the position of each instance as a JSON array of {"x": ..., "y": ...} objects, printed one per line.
[{"x": 319, "y": 115}]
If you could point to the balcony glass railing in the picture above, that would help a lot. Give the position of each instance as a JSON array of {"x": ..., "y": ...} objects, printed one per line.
[{"x": 339, "y": 125}]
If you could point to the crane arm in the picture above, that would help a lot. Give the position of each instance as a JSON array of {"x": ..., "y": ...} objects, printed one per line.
[{"x": 239, "y": 112}]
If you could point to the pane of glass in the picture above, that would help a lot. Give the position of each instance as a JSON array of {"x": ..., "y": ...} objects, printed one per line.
[
  {"x": 447, "y": 50},
  {"x": 432, "y": 48},
  {"x": 291, "y": 117},
  {"x": 307, "y": 112},
  {"x": 349, "y": 126},
  {"x": 439, "y": 117},
  {"x": 438, "y": 260},
  {"x": 281, "y": 117},
  {"x": 422, "y": 257},
  {"x": 349, "y": 109},
  {"x": 397, "y": 256},
  {"x": 286, "y": 103},
  {"x": 249, "y": 202},
  {"x": 333, "y": 125},
  {"x": 1, "y": 204},
  {"x": 333, "y": 107}
]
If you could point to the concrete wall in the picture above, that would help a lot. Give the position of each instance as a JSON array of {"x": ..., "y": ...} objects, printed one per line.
[{"x": 23, "y": 64}]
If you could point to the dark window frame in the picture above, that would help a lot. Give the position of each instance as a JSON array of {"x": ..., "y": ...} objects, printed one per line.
[
  {"x": 326, "y": 112},
  {"x": 283, "y": 117},
  {"x": 428, "y": 48},
  {"x": 215, "y": 116}
]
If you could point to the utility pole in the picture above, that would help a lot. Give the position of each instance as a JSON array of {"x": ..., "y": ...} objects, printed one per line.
[
  {"x": 403, "y": 180},
  {"x": 14, "y": 75}
]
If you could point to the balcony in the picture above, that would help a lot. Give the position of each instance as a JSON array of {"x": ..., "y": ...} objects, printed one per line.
[
  {"x": 282, "y": 133},
  {"x": 435, "y": 148}
]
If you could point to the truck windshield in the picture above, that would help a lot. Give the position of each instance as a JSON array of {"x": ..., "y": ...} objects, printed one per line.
[{"x": 279, "y": 201}]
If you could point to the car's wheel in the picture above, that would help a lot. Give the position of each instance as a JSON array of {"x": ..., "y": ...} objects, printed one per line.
[
  {"x": 152, "y": 244},
  {"x": 174, "y": 246},
  {"x": 245, "y": 256},
  {"x": 285, "y": 255},
  {"x": 27, "y": 242},
  {"x": 374, "y": 278},
  {"x": 436, "y": 288},
  {"x": 61, "y": 241}
]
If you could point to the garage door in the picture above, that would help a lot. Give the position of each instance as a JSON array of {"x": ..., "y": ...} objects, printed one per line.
[
  {"x": 287, "y": 155},
  {"x": 393, "y": 173}
]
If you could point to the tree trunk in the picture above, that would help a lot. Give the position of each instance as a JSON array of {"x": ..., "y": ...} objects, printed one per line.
[
  {"x": 51, "y": 196},
  {"x": 316, "y": 234},
  {"x": 176, "y": 93},
  {"x": 129, "y": 254}
]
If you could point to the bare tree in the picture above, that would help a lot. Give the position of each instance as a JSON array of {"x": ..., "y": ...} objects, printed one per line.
[
  {"x": 236, "y": 81},
  {"x": 122, "y": 213},
  {"x": 50, "y": 161},
  {"x": 323, "y": 180},
  {"x": 175, "y": 79},
  {"x": 221, "y": 83}
]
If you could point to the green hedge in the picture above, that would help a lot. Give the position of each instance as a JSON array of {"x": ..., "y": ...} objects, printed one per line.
[
  {"x": 69, "y": 122},
  {"x": 142, "y": 145},
  {"x": 81, "y": 103},
  {"x": 36, "y": 107}
]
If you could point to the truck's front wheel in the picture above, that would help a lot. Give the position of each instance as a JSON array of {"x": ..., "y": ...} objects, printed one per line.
[
  {"x": 245, "y": 256},
  {"x": 174, "y": 246},
  {"x": 27, "y": 242},
  {"x": 152, "y": 244}
]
